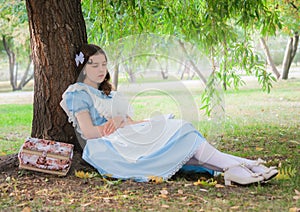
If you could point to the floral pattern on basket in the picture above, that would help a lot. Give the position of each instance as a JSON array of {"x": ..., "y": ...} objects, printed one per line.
[
  {"x": 52, "y": 147},
  {"x": 46, "y": 156},
  {"x": 44, "y": 162}
]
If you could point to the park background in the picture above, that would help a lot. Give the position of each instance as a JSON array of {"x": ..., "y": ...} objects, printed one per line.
[{"x": 258, "y": 122}]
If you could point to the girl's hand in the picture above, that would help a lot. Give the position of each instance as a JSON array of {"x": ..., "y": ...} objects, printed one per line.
[{"x": 112, "y": 125}]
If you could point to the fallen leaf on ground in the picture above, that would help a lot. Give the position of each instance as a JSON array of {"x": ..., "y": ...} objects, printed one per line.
[
  {"x": 294, "y": 142},
  {"x": 259, "y": 148},
  {"x": 84, "y": 175},
  {"x": 235, "y": 208},
  {"x": 219, "y": 186},
  {"x": 26, "y": 209},
  {"x": 297, "y": 197},
  {"x": 295, "y": 209},
  {"x": 180, "y": 191},
  {"x": 165, "y": 192},
  {"x": 156, "y": 179},
  {"x": 86, "y": 204},
  {"x": 183, "y": 198},
  {"x": 206, "y": 183}
]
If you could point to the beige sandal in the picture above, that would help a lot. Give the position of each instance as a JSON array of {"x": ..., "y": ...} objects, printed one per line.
[{"x": 229, "y": 177}]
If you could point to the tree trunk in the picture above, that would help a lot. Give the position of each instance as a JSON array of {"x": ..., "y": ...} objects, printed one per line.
[
  {"x": 269, "y": 58},
  {"x": 289, "y": 55},
  {"x": 57, "y": 29},
  {"x": 186, "y": 69},
  {"x": 12, "y": 63},
  {"x": 13, "y": 68},
  {"x": 163, "y": 71},
  {"x": 25, "y": 79},
  {"x": 193, "y": 64},
  {"x": 130, "y": 71},
  {"x": 115, "y": 78}
]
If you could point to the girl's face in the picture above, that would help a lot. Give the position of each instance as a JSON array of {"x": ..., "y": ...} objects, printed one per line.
[{"x": 95, "y": 70}]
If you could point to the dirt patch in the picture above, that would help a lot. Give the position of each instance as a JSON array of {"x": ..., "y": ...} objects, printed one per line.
[{"x": 17, "y": 97}]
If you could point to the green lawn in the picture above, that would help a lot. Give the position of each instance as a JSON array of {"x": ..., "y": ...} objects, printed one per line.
[{"x": 15, "y": 126}]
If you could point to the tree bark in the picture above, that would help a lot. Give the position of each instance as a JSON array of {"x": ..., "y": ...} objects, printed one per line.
[
  {"x": 269, "y": 58},
  {"x": 57, "y": 29},
  {"x": 289, "y": 55}
]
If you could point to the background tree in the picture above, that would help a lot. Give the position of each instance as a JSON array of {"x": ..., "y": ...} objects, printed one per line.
[
  {"x": 57, "y": 29},
  {"x": 15, "y": 39},
  {"x": 290, "y": 16},
  {"x": 289, "y": 24}
]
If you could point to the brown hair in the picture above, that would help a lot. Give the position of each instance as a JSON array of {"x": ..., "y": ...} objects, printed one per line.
[{"x": 89, "y": 50}]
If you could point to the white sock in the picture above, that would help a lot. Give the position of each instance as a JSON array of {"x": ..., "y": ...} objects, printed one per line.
[
  {"x": 242, "y": 160},
  {"x": 209, "y": 157}
]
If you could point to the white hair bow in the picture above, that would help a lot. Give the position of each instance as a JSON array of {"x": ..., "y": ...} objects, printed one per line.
[{"x": 79, "y": 58}]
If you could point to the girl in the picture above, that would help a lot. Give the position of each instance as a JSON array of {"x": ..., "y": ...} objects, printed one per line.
[{"x": 122, "y": 148}]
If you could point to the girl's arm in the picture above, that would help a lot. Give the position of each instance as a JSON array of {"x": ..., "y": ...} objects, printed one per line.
[
  {"x": 130, "y": 121},
  {"x": 117, "y": 122},
  {"x": 86, "y": 125},
  {"x": 91, "y": 131}
]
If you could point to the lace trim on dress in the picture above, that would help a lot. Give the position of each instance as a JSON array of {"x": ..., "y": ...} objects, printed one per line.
[{"x": 181, "y": 164}]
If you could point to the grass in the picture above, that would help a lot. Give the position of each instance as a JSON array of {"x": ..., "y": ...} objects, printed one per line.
[
  {"x": 255, "y": 124},
  {"x": 15, "y": 126}
]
